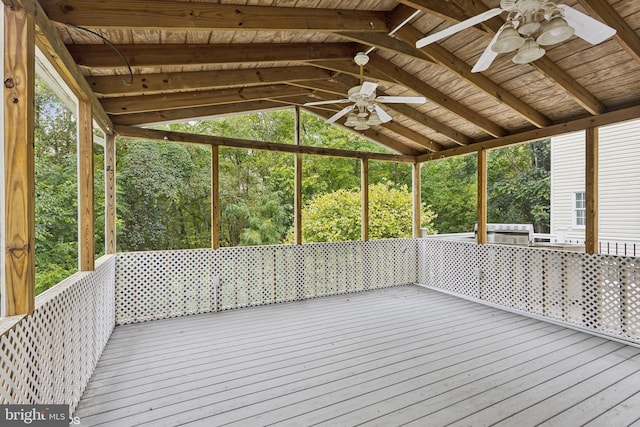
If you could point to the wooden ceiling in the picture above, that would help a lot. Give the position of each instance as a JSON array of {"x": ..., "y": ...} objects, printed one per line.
[{"x": 194, "y": 59}]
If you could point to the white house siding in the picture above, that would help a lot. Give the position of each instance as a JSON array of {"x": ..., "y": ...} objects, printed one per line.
[{"x": 619, "y": 184}]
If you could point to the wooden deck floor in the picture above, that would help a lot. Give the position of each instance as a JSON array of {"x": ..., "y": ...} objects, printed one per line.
[{"x": 398, "y": 356}]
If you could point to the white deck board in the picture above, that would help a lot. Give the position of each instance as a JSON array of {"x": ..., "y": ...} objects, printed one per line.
[{"x": 398, "y": 356}]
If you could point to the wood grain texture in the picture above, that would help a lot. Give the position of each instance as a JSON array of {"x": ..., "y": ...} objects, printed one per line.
[
  {"x": 481, "y": 236},
  {"x": 215, "y": 197},
  {"x": 591, "y": 190},
  {"x": 86, "y": 242},
  {"x": 416, "y": 217},
  {"x": 364, "y": 202},
  {"x": 297, "y": 182},
  {"x": 110, "y": 193},
  {"x": 19, "y": 181},
  {"x": 153, "y": 14}
]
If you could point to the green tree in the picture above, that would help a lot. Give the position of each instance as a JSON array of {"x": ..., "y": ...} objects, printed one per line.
[
  {"x": 56, "y": 189},
  {"x": 335, "y": 216}
]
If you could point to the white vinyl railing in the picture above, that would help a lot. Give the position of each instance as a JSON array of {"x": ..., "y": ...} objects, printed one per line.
[
  {"x": 598, "y": 293},
  {"x": 162, "y": 284},
  {"x": 48, "y": 357}
]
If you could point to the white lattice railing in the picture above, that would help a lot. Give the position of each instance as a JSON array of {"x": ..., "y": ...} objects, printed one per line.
[
  {"x": 600, "y": 293},
  {"x": 48, "y": 358},
  {"x": 161, "y": 284}
]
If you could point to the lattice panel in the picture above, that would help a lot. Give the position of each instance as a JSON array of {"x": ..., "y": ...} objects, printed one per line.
[
  {"x": 162, "y": 284},
  {"x": 48, "y": 357},
  {"x": 598, "y": 292},
  {"x": 155, "y": 285}
]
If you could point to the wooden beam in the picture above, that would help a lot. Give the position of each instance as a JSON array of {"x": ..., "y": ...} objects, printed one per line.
[
  {"x": 161, "y": 135},
  {"x": 86, "y": 240},
  {"x": 625, "y": 35},
  {"x": 110, "y": 193},
  {"x": 155, "y": 14},
  {"x": 164, "y": 116},
  {"x": 101, "y": 56},
  {"x": 199, "y": 98},
  {"x": 364, "y": 202},
  {"x": 411, "y": 135},
  {"x": 388, "y": 43},
  {"x": 578, "y": 124},
  {"x": 481, "y": 236},
  {"x": 297, "y": 184},
  {"x": 432, "y": 94},
  {"x": 442, "y": 9},
  {"x": 591, "y": 190},
  {"x": 348, "y": 67},
  {"x": 148, "y": 84},
  {"x": 371, "y": 134},
  {"x": 416, "y": 200},
  {"x": 215, "y": 197},
  {"x": 18, "y": 234},
  {"x": 456, "y": 65},
  {"x": 49, "y": 42},
  {"x": 545, "y": 65}
]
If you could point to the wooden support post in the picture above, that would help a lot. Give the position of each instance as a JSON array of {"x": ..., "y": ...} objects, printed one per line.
[
  {"x": 86, "y": 238},
  {"x": 297, "y": 185},
  {"x": 364, "y": 188},
  {"x": 481, "y": 237},
  {"x": 215, "y": 197},
  {"x": 18, "y": 235},
  {"x": 591, "y": 190},
  {"x": 417, "y": 200},
  {"x": 110, "y": 193}
]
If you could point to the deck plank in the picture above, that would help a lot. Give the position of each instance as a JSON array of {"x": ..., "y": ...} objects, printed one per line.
[{"x": 387, "y": 357}]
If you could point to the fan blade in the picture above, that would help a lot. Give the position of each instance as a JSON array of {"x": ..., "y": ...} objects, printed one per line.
[
  {"x": 586, "y": 27},
  {"x": 402, "y": 99},
  {"x": 384, "y": 116},
  {"x": 487, "y": 57},
  {"x": 337, "y": 101},
  {"x": 339, "y": 114},
  {"x": 368, "y": 88},
  {"x": 458, "y": 27}
]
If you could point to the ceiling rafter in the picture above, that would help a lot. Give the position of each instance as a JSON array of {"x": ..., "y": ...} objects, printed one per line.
[
  {"x": 544, "y": 64},
  {"x": 164, "y": 116},
  {"x": 155, "y": 14},
  {"x": 461, "y": 68},
  {"x": 400, "y": 76},
  {"x": 154, "y": 55},
  {"x": 115, "y": 86},
  {"x": 146, "y": 103},
  {"x": 625, "y": 35}
]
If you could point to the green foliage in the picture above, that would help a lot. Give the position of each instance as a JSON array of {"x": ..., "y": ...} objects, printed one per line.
[
  {"x": 335, "y": 216},
  {"x": 56, "y": 190}
]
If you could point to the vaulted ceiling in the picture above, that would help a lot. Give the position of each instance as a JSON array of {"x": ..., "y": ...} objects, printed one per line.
[{"x": 191, "y": 59}]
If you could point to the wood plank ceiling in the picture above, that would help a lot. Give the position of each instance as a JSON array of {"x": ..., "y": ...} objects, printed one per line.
[{"x": 194, "y": 59}]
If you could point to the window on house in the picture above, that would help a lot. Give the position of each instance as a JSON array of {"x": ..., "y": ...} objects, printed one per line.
[{"x": 579, "y": 209}]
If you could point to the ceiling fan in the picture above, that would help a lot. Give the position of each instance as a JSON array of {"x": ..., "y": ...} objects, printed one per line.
[
  {"x": 529, "y": 25},
  {"x": 365, "y": 111}
]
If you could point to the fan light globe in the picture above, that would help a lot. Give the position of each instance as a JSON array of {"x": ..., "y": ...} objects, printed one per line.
[
  {"x": 529, "y": 52},
  {"x": 555, "y": 31},
  {"x": 374, "y": 119},
  {"x": 362, "y": 124},
  {"x": 352, "y": 120},
  {"x": 509, "y": 40}
]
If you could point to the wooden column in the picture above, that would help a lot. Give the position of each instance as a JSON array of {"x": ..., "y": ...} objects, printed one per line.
[
  {"x": 215, "y": 197},
  {"x": 86, "y": 238},
  {"x": 364, "y": 189},
  {"x": 110, "y": 193},
  {"x": 297, "y": 185},
  {"x": 18, "y": 235},
  {"x": 591, "y": 190},
  {"x": 417, "y": 199},
  {"x": 482, "y": 198}
]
